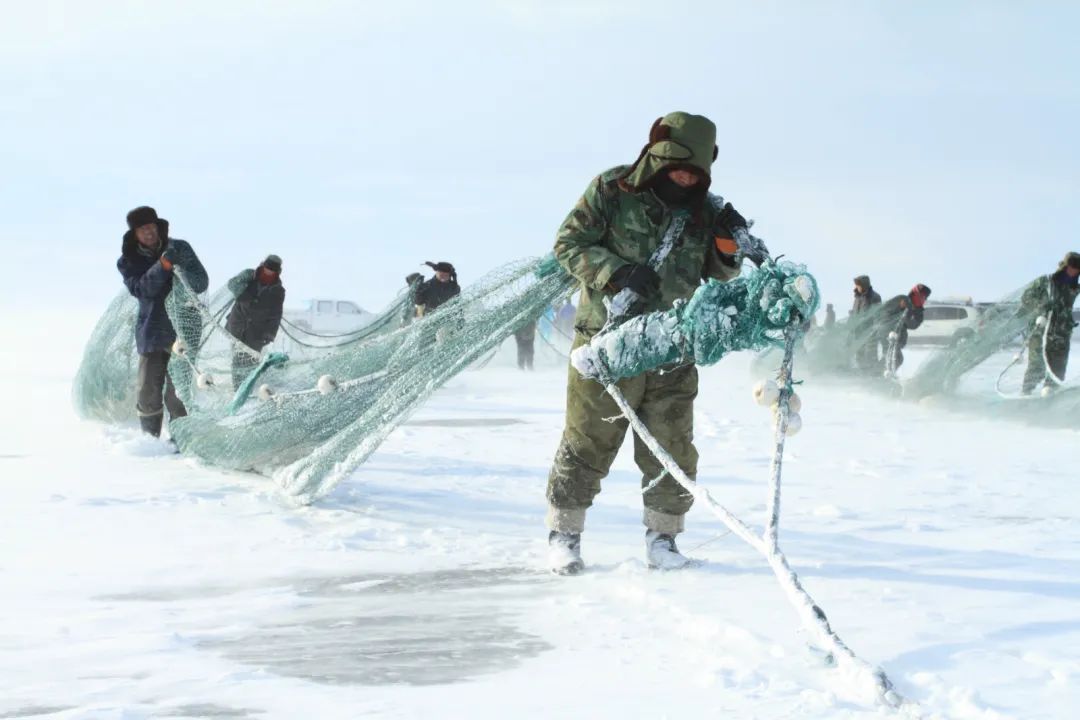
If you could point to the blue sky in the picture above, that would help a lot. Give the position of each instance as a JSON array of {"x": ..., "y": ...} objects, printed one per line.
[{"x": 926, "y": 142}]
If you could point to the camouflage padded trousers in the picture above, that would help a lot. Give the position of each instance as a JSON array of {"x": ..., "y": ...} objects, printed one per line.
[
  {"x": 591, "y": 440},
  {"x": 1057, "y": 355}
]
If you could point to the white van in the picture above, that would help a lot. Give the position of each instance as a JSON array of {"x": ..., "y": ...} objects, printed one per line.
[{"x": 948, "y": 321}]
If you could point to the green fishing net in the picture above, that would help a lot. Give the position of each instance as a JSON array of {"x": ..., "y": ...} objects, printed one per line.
[{"x": 751, "y": 312}]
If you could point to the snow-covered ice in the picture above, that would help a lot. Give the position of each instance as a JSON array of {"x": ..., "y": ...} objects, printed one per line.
[{"x": 138, "y": 584}]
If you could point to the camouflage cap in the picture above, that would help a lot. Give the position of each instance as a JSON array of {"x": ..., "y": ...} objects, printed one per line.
[{"x": 678, "y": 139}]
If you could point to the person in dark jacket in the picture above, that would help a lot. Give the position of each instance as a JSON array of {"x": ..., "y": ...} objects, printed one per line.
[
  {"x": 1051, "y": 297},
  {"x": 898, "y": 315},
  {"x": 525, "y": 337},
  {"x": 861, "y": 325},
  {"x": 413, "y": 281},
  {"x": 437, "y": 290},
  {"x": 149, "y": 259},
  {"x": 256, "y": 314}
]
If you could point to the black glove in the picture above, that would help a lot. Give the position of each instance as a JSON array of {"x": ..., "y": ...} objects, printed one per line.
[
  {"x": 171, "y": 256},
  {"x": 730, "y": 218},
  {"x": 642, "y": 279}
]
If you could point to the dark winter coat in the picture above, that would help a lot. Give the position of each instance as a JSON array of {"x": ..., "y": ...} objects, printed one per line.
[
  {"x": 865, "y": 301},
  {"x": 433, "y": 293},
  {"x": 899, "y": 315},
  {"x": 147, "y": 280},
  {"x": 526, "y": 333},
  {"x": 256, "y": 314}
]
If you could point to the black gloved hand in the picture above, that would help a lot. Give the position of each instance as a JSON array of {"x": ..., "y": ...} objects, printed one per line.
[
  {"x": 171, "y": 256},
  {"x": 642, "y": 279},
  {"x": 730, "y": 218}
]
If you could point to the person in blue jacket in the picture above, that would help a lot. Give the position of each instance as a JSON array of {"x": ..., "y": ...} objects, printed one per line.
[{"x": 148, "y": 260}]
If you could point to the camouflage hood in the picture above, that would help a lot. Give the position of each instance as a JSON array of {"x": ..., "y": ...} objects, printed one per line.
[
  {"x": 1071, "y": 259},
  {"x": 677, "y": 140}
]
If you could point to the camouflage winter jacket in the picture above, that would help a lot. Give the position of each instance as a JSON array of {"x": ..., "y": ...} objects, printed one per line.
[
  {"x": 1052, "y": 296},
  {"x": 611, "y": 227}
]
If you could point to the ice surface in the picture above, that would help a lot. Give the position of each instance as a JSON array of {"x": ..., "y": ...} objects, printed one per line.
[{"x": 137, "y": 584}]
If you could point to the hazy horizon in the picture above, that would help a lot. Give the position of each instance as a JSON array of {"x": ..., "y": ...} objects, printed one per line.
[{"x": 916, "y": 142}]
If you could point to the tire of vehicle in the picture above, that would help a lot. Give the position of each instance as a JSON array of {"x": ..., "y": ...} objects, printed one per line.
[{"x": 961, "y": 336}]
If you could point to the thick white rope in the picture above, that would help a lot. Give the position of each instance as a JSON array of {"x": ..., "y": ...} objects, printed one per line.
[{"x": 811, "y": 615}]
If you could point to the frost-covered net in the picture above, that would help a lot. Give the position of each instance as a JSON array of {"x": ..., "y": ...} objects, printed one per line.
[
  {"x": 310, "y": 415},
  {"x": 104, "y": 387},
  {"x": 1003, "y": 329},
  {"x": 750, "y": 312}
]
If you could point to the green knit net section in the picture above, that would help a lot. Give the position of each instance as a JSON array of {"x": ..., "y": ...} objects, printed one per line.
[
  {"x": 312, "y": 409},
  {"x": 751, "y": 312},
  {"x": 105, "y": 384},
  {"x": 311, "y": 414}
]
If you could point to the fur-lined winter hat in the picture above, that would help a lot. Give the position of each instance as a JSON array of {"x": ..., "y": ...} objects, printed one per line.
[
  {"x": 1072, "y": 260},
  {"x": 678, "y": 140},
  {"x": 142, "y": 215}
]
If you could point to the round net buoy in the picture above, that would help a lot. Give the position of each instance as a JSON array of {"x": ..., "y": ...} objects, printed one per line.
[
  {"x": 265, "y": 392},
  {"x": 893, "y": 337},
  {"x": 326, "y": 385},
  {"x": 179, "y": 347},
  {"x": 1040, "y": 321},
  {"x": 766, "y": 393},
  {"x": 204, "y": 381},
  {"x": 794, "y": 424},
  {"x": 1047, "y": 391},
  {"x": 795, "y": 403}
]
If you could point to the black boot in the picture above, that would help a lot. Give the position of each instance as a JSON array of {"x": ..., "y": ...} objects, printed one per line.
[{"x": 151, "y": 424}]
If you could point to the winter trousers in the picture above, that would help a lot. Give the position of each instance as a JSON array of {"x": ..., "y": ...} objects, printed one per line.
[
  {"x": 595, "y": 430},
  {"x": 156, "y": 392},
  {"x": 526, "y": 351},
  {"x": 1057, "y": 355}
]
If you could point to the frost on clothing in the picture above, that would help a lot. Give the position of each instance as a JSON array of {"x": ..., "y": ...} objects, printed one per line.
[
  {"x": 749, "y": 313},
  {"x": 609, "y": 228}
]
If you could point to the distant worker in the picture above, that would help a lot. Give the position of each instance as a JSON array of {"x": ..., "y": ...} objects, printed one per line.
[
  {"x": 148, "y": 259},
  {"x": 256, "y": 314},
  {"x": 437, "y": 290},
  {"x": 412, "y": 282},
  {"x": 525, "y": 337},
  {"x": 1050, "y": 299},
  {"x": 830, "y": 317},
  {"x": 898, "y": 315},
  {"x": 564, "y": 319},
  {"x": 861, "y": 325}
]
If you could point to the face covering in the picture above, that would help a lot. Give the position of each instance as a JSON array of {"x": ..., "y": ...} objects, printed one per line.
[{"x": 672, "y": 193}]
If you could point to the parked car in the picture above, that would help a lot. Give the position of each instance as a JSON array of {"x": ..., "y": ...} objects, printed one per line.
[
  {"x": 329, "y": 316},
  {"x": 948, "y": 322}
]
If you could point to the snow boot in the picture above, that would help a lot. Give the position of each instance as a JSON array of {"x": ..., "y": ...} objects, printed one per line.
[
  {"x": 151, "y": 424},
  {"x": 564, "y": 553},
  {"x": 661, "y": 553}
]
